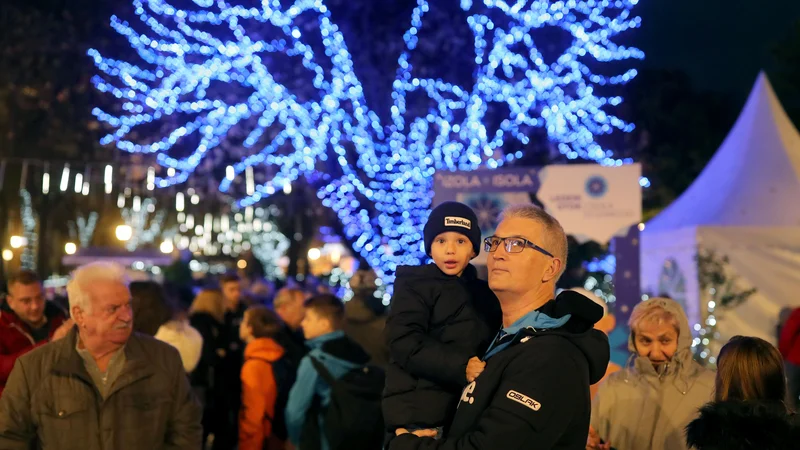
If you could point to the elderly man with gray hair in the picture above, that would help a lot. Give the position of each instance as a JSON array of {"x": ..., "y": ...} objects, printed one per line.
[
  {"x": 102, "y": 386},
  {"x": 534, "y": 390}
]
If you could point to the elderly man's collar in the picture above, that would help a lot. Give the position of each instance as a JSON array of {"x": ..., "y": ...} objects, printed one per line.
[{"x": 137, "y": 365}]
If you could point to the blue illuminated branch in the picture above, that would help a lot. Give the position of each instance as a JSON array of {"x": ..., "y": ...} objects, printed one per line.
[{"x": 383, "y": 190}]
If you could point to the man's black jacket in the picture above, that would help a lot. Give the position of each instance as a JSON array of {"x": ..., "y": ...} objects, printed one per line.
[
  {"x": 436, "y": 324},
  {"x": 534, "y": 394}
]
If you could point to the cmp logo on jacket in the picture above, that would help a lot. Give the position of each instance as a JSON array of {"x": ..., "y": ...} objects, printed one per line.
[
  {"x": 458, "y": 222},
  {"x": 524, "y": 399}
]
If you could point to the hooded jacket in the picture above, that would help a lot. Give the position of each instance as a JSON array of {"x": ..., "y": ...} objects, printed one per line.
[
  {"x": 639, "y": 408},
  {"x": 436, "y": 324},
  {"x": 534, "y": 390},
  {"x": 16, "y": 338},
  {"x": 366, "y": 327},
  {"x": 339, "y": 354},
  {"x": 259, "y": 393},
  {"x": 736, "y": 425}
]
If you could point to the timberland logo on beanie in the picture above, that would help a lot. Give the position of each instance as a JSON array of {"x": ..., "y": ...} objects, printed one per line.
[
  {"x": 452, "y": 217},
  {"x": 458, "y": 222}
]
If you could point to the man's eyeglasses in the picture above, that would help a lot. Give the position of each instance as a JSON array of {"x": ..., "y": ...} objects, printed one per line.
[{"x": 512, "y": 245}]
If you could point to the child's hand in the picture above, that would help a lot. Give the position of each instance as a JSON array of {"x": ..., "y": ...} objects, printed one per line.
[{"x": 474, "y": 368}]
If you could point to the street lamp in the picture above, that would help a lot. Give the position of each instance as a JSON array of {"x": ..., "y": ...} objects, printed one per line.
[
  {"x": 124, "y": 232},
  {"x": 167, "y": 247},
  {"x": 70, "y": 248},
  {"x": 18, "y": 241}
]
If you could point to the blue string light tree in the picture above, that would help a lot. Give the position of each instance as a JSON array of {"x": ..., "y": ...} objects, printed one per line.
[{"x": 211, "y": 84}]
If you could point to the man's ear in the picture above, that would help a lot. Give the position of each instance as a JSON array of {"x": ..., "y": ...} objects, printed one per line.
[
  {"x": 552, "y": 271},
  {"x": 77, "y": 315}
]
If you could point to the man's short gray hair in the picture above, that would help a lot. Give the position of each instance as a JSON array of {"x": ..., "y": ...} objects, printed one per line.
[
  {"x": 555, "y": 240},
  {"x": 84, "y": 276}
]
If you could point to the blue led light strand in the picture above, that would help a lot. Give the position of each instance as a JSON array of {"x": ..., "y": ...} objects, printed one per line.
[{"x": 383, "y": 193}]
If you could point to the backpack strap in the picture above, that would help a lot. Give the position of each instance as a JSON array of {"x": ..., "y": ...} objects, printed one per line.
[{"x": 322, "y": 371}]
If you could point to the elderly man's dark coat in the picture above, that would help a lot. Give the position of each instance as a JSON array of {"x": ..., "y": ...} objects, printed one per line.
[{"x": 50, "y": 401}]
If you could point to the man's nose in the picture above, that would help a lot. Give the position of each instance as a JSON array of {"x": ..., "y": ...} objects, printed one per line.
[{"x": 126, "y": 314}]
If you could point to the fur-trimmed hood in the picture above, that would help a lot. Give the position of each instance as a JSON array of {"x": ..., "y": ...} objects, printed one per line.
[{"x": 736, "y": 425}]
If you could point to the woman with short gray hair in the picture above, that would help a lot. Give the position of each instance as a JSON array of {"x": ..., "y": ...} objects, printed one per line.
[{"x": 648, "y": 404}]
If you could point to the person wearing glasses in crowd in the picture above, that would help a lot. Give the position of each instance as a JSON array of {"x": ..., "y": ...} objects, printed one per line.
[
  {"x": 534, "y": 389},
  {"x": 442, "y": 319}
]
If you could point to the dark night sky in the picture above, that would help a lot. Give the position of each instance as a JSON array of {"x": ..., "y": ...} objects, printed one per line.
[{"x": 722, "y": 44}]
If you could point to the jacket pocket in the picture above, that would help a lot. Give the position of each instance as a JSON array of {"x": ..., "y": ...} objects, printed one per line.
[
  {"x": 135, "y": 413},
  {"x": 65, "y": 423}
]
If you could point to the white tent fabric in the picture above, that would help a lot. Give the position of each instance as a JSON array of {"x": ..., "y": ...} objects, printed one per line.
[
  {"x": 745, "y": 205},
  {"x": 766, "y": 258}
]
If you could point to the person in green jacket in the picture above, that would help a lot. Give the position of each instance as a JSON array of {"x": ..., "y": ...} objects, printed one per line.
[{"x": 102, "y": 386}]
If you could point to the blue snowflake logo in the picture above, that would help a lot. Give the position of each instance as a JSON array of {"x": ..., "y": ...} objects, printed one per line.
[{"x": 596, "y": 186}]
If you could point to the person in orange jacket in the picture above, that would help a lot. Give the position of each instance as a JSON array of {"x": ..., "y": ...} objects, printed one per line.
[{"x": 259, "y": 385}]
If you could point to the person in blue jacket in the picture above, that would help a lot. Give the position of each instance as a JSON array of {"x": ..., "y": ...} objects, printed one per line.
[{"x": 338, "y": 353}]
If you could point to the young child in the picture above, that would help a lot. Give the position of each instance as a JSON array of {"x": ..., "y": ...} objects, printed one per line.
[
  {"x": 311, "y": 394},
  {"x": 259, "y": 381},
  {"x": 442, "y": 320}
]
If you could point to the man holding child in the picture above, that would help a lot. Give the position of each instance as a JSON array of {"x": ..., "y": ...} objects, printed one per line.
[{"x": 534, "y": 388}]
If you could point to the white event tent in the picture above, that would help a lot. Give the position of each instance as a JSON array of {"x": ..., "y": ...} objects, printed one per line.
[{"x": 744, "y": 205}]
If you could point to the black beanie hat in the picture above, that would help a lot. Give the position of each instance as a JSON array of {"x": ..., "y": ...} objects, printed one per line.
[{"x": 456, "y": 217}]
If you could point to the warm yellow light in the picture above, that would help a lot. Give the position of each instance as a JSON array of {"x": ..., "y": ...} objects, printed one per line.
[
  {"x": 336, "y": 256},
  {"x": 17, "y": 241},
  {"x": 167, "y": 247},
  {"x": 242, "y": 264},
  {"x": 313, "y": 254},
  {"x": 70, "y": 248},
  {"x": 8, "y": 255},
  {"x": 124, "y": 232}
]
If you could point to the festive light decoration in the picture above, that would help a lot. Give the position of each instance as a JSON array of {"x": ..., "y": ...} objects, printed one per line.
[
  {"x": 28, "y": 258},
  {"x": 719, "y": 290},
  {"x": 107, "y": 179},
  {"x": 606, "y": 264},
  {"x": 144, "y": 228},
  {"x": 602, "y": 285},
  {"x": 85, "y": 228},
  {"x": 46, "y": 182},
  {"x": 383, "y": 191},
  {"x": 65, "y": 178}
]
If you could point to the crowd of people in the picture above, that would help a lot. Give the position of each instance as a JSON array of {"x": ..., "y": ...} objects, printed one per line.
[{"x": 457, "y": 363}]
